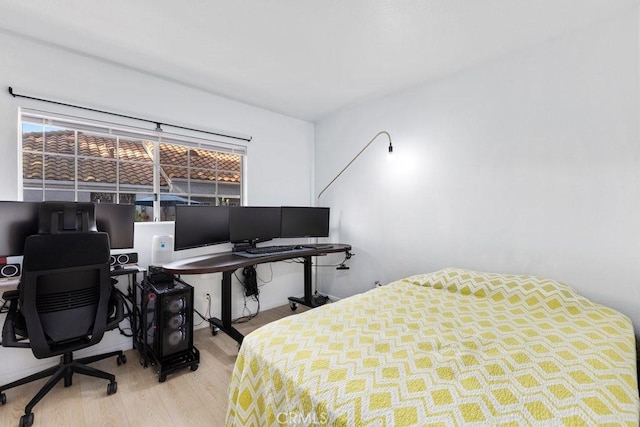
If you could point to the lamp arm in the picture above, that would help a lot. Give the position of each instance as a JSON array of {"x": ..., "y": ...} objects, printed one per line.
[{"x": 354, "y": 159}]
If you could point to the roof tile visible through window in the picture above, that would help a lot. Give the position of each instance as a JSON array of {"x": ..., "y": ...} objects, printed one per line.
[
  {"x": 96, "y": 146},
  {"x": 202, "y": 159},
  {"x": 61, "y": 142},
  {"x": 229, "y": 176},
  {"x": 136, "y": 174},
  {"x": 135, "y": 150},
  {"x": 171, "y": 154},
  {"x": 32, "y": 141},
  {"x": 58, "y": 168},
  {"x": 95, "y": 170},
  {"x": 130, "y": 153},
  {"x": 32, "y": 166},
  {"x": 230, "y": 162}
]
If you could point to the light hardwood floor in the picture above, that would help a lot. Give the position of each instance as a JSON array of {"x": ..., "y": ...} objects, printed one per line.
[{"x": 186, "y": 398}]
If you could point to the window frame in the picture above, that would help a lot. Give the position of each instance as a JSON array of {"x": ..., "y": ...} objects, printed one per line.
[{"x": 191, "y": 142}]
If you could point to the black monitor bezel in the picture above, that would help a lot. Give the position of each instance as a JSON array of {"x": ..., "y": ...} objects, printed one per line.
[
  {"x": 120, "y": 227},
  {"x": 243, "y": 217},
  {"x": 291, "y": 214},
  {"x": 181, "y": 220},
  {"x": 26, "y": 215}
]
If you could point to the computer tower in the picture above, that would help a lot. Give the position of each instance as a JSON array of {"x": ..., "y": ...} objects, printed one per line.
[{"x": 169, "y": 319}]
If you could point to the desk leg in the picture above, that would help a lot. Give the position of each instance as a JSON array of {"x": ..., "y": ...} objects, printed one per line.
[
  {"x": 308, "y": 299},
  {"x": 308, "y": 282},
  {"x": 144, "y": 304},
  {"x": 225, "y": 325},
  {"x": 134, "y": 312}
]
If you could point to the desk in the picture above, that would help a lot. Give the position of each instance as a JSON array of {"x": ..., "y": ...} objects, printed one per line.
[
  {"x": 9, "y": 283},
  {"x": 227, "y": 262}
]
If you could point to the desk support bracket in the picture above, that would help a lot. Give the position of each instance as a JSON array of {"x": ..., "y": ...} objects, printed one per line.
[
  {"x": 226, "y": 323},
  {"x": 308, "y": 299}
]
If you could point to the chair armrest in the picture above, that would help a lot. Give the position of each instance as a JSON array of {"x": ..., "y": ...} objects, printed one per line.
[
  {"x": 118, "y": 301},
  {"x": 9, "y": 338},
  {"x": 11, "y": 295}
]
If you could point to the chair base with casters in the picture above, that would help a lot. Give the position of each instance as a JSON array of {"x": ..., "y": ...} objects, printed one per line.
[
  {"x": 14, "y": 334},
  {"x": 65, "y": 370}
]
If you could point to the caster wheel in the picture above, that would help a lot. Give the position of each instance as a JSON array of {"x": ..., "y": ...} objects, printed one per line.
[
  {"x": 162, "y": 378},
  {"x": 293, "y": 306},
  {"x": 121, "y": 359},
  {"x": 26, "y": 420},
  {"x": 3, "y": 398},
  {"x": 214, "y": 331},
  {"x": 112, "y": 388},
  {"x": 194, "y": 367}
]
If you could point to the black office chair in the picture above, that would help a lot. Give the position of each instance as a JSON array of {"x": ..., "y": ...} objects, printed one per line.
[{"x": 65, "y": 300}]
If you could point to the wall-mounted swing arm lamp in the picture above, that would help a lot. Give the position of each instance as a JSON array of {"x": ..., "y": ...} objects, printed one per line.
[
  {"x": 343, "y": 266},
  {"x": 358, "y": 155}
]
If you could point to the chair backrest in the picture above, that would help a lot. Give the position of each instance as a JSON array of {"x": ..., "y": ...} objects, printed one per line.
[{"x": 65, "y": 285}]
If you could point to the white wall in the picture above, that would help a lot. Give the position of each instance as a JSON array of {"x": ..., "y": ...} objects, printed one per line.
[
  {"x": 278, "y": 166},
  {"x": 527, "y": 164}
]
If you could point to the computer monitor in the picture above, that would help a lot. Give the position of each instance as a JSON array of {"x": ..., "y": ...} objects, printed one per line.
[
  {"x": 117, "y": 221},
  {"x": 253, "y": 224},
  {"x": 197, "y": 226},
  {"x": 304, "y": 222},
  {"x": 18, "y": 220}
]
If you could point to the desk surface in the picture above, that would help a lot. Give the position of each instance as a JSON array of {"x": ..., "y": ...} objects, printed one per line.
[
  {"x": 226, "y": 261},
  {"x": 9, "y": 283}
]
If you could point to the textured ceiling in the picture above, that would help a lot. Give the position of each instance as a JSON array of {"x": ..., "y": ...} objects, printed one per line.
[{"x": 305, "y": 59}]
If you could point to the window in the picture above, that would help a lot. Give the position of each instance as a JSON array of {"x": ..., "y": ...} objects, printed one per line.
[{"x": 66, "y": 158}]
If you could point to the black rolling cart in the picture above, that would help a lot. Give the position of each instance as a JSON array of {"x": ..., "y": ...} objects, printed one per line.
[{"x": 164, "y": 334}]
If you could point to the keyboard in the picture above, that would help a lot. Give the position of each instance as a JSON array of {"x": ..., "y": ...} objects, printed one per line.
[{"x": 264, "y": 250}]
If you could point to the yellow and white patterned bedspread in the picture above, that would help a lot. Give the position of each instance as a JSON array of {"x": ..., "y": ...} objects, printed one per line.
[{"x": 454, "y": 347}]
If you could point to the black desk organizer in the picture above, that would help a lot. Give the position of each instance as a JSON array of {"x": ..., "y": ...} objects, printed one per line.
[{"x": 164, "y": 335}]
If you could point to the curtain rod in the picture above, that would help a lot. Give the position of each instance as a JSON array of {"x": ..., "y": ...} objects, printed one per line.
[{"x": 157, "y": 123}]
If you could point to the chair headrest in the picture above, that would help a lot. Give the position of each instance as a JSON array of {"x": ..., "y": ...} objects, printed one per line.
[{"x": 65, "y": 217}]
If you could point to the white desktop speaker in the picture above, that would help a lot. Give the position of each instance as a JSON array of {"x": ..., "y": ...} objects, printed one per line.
[{"x": 161, "y": 250}]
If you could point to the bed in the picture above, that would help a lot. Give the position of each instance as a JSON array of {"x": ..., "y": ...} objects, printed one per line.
[{"x": 454, "y": 347}]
